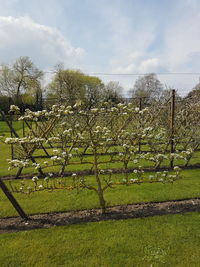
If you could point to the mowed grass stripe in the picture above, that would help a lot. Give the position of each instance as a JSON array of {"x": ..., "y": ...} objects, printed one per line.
[{"x": 172, "y": 240}]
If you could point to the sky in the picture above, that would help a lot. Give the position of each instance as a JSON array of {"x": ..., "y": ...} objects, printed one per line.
[{"x": 106, "y": 36}]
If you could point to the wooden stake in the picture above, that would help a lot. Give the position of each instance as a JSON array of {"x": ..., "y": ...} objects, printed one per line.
[
  {"x": 140, "y": 107},
  {"x": 12, "y": 200},
  {"x": 172, "y": 126}
]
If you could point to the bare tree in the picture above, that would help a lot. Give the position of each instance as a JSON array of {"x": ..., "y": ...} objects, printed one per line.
[
  {"x": 113, "y": 92},
  {"x": 194, "y": 95},
  {"x": 21, "y": 77},
  {"x": 148, "y": 87}
]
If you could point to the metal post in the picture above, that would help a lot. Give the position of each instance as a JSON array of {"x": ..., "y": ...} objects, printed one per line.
[
  {"x": 12, "y": 200},
  {"x": 172, "y": 119}
]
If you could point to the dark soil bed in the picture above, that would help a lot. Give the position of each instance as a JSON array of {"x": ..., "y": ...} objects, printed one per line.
[{"x": 46, "y": 220}]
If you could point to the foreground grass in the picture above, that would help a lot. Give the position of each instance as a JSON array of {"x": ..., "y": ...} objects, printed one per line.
[
  {"x": 61, "y": 200},
  {"x": 172, "y": 240}
]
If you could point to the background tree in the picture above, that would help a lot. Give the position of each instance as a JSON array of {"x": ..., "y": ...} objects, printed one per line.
[
  {"x": 113, "y": 92},
  {"x": 94, "y": 89},
  {"x": 194, "y": 95},
  {"x": 69, "y": 86},
  {"x": 148, "y": 87},
  {"x": 20, "y": 78},
  {"x": 5, "y": 103}
]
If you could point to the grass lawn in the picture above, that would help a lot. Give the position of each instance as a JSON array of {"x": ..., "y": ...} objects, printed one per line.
[{"x": 172, "y": 240}]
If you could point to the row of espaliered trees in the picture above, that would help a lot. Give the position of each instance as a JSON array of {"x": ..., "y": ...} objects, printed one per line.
[{"x": 103, "y": 138}]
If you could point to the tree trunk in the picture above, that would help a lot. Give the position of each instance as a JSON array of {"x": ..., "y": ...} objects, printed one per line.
[{"x": 100, "y": 191}]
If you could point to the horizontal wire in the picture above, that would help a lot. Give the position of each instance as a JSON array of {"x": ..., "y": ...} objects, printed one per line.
[{"x": 129, "y": 74}]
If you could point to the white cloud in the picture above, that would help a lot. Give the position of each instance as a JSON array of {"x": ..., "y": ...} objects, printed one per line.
[
  {"x": 150, "y": 65},
  {"x": 45, "y": 45},
  {"x": 182, "y": 39},
  {"x": 130, "y": 68}
]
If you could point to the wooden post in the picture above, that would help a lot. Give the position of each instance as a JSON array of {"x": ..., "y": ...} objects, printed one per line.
[
  {"x": 23, "y": 128},
  {"x": 140, "y": 103},
  {"x": 172, "y": 119},
  {"x": 12, "y": 200},
  {"x": 139, "y": 141}
]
